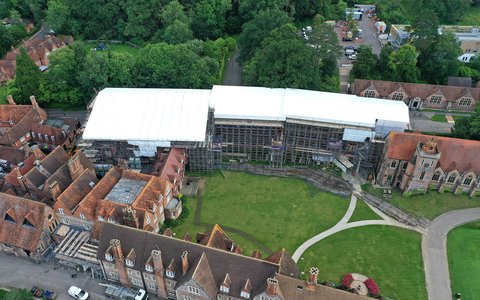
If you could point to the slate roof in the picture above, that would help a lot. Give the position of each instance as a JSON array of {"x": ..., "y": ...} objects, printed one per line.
[
  {"x": 15, "y": 233},
  {"x": 385, "y": 88},
  {"x": 75, "y": 192},
  {"x": 239, "y": 267},
  {"x": 459, "y": 154}
]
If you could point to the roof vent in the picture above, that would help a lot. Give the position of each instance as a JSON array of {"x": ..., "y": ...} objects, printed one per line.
[{"x": 91, "y": 184}]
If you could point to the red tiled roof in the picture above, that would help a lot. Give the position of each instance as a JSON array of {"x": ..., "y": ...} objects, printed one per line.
[
  {"x": 15, "y": 233},
  {"x": 459, "y": 154},
  {"x": 385, "y": 88}
]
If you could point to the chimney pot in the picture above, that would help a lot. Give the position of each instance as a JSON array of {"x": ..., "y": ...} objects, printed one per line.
[
  {"x": 117, "y": 249},
  {"x": 272, "y": 286},
  {"x": 10, "y": 100},
  {"x": 312, "y": 278},
  {"x": 185, "y": 262}
]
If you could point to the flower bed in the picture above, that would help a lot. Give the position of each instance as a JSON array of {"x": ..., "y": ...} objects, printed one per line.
[
  {"x": 347, "y": 280},
  {"x": 372, "y": 287}
]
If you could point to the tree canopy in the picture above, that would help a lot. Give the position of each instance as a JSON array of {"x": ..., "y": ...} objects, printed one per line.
[
  {"x": 27, "y": 79},
  {"x": 365, "y": 67},
  {"x": 468, "y": 127},
  {"x": 403, "y": 64}
]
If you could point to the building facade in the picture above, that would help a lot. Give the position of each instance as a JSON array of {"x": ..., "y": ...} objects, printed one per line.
[
  {"x": 418, "y": 163},
  {"x": 419, "y": 96}
]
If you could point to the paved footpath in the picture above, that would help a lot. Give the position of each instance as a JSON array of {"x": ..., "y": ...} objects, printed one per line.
[
  {"x": 434, "y": 251},
  {"x": 20, "y": 273}
]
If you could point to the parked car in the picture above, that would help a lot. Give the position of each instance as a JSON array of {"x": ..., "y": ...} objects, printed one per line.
[
  {"x": 77, "y": 293},
  {"x": 352, "y": 57},
  {"x": 43, "y": 293}
]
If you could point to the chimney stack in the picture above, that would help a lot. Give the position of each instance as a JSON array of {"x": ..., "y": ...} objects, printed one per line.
[
  {"x": 272, "y": 286},
  {"x": 185, "y": 262},
  {"x": 34, "y": 102},
  {"x": 20, "y": 178},
  {"x": 312, "y": 278},
  {"x": 117, "y": 249},
  {"x": 157, "y": 261},
  {"x": 10, "y": 100},
  {"x": 55, "y": 190}
]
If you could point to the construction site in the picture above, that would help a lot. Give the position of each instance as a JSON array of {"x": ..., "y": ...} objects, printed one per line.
[{"x": 226, "y": 123}]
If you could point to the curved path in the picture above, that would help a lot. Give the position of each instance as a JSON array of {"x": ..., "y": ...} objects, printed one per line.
[
  {"x": 434, "y": 251},
  {"x": 344, "y": 225}
]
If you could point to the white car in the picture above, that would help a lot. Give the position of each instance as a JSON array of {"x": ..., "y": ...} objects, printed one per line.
[
  {"x": 352, "y": 57},
  {"x": 77, "y": 293}
]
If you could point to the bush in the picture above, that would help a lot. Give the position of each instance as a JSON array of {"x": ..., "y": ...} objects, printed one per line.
[
  {"x": 372, "y": 287},
  {"x": 180, "y": 220},
  {"x": 347, "y": 280}
]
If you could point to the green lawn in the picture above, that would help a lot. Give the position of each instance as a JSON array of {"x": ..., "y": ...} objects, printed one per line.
[
  {"x": 363, "y": 212},
  {"x": 119, "y": 48},
  {"x": 279, "y": 212},
  {"x": 429, "y": 205},
  {"x": 464, "y": 260},
  {"x": 439, "y": 118},
  {"x": 3, "y": 94},
  {"x": 391, "y": 256}
]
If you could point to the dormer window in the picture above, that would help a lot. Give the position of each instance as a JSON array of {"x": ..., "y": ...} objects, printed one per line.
[
  {"x": 451, "y": 178},
  {"x": 170, "y": 274},
  {"x": 148, "y": 268},
  {"x": 193, "y": 290},
  {"x": 369, "y": 94},
  {"x": 82, "y": 215},
  {"x": 224, "y": 289},
  {"x": 100, "y": 218},
  {"x": 465, "y": 101},
  {"x": 397, "y": 96},
  {"x": 9, "y": 218},
  {"x": 468, "y": 180},
  {"x": 245, "y": 295},
  {"x": 111, "y": 220},
  {"x": 61, "y": 211},
  {"x": 108, "y": 256},
  {"x": 27, "y": 223},
  {"x": 129, "y": 263},
  {"x": 436, "y": 99}
]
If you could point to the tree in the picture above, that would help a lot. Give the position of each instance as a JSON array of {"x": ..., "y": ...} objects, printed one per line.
[
  {"x": 324, "y": 39},
  {"x": 255, "y": 31},
  {"x": 177, "y": 33},
  {"x": 141, "y": 19},
  {"x": 403, "y": 64},
  {"x": 174, "y": 66},
  {"x": 366, "y": 65},
  {"x": 6, "y": 41},
  {"x": 58, "y": 16},
  {"x": 468, "y": 127},
  {"x": 441, "y": 59},
  {"x": 249, "y": 9},
  {"x": 425, "y": 30},
  {"x": 284, "y": 60},
  {"x": 173, "y": 11},
  {"x": 27, "y": 79},
  {"x": 208, "y": 19},
  {"x": 309, "y": 8},
  {"x": 382, "y": 63}
]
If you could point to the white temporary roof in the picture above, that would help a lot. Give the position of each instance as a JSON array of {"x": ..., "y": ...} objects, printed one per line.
[
  {"x": 278, "y": 104},
  {"x": 181, "y": 114},
  {"x": 149, "y": 115}
]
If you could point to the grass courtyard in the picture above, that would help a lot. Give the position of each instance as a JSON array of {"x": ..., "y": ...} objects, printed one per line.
[
  {"x": 464, "y": 260},
  {"x": 117, "y": 48},
  {"x": 278, "y": 212},
  {"x": 391, "y": 256},
  {"x": 439, "y": 118},
  {"x": 430, "y": 205}
]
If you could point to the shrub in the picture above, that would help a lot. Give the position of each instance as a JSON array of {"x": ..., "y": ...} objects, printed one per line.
[
  {"x": 347, "y": 280},
  {"x": 372, "y": 286}
]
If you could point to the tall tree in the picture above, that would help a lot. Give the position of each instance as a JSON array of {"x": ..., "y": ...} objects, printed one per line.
[
  {"x": 468, "y": 127},
  {"x": 324, "y": 40},
  {"x": 284, "y": 60},
  {"x": 27, "y": 79},
  {"x": 6, "y": 41},
  {"x": 255, "y": 31},
  {"x": 425, "y": 30},
  {"x": 249, "y": 9},
  {"x": 177, "y": 33},
  {"x": 442, "y": 59},
  {"x": 173, "y": 11},
  {"x": 403, "y": 64},
  {"x": 58, "y": 16},
  {"x": 208, "y": 19},
  {"x": 382, "y": 63},
  {"x": 366, "y": 65}
]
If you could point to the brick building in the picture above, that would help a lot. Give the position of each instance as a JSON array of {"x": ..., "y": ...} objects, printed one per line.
[
  {"x": 419, "y": 96},
  {"x": 24, "y": 125},
  {"x": 122, "y": 197},
  {"x": 180, "y": 269},
  {"x": 417, "y": 162},
  {"x": 25, "y": 228}
]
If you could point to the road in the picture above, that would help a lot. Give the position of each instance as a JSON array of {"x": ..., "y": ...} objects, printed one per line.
[
  {"x": 21, "y": 273},
  {"x": 419, "y": 121},
  {"x": 434, "y": 251},
  {"x": 233, "y": 75}
]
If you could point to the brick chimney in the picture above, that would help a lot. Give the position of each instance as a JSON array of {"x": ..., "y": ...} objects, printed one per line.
[
  {"x": 256, "y": 254},
  {"x": 238, "y": 249},
  {"x": 10, "y": 100},
  {"x": 41, "y": 113},
  {"x": 312, "y": 278},
  {"x": 184, "y": 262},
  {"x": 55, "y": 190},
  {"x": 159, "y": 271},
  {"x": 117, "y": 249},
  {"x": 21, "y": 179},
  {"x": 272, "y": 286}
]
